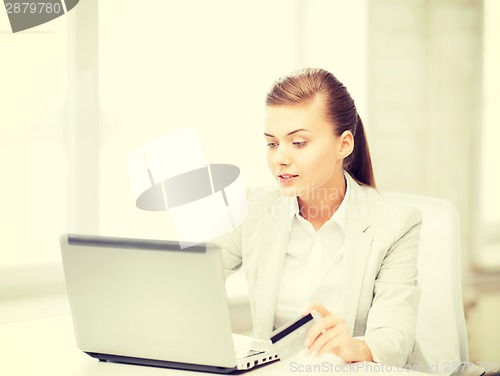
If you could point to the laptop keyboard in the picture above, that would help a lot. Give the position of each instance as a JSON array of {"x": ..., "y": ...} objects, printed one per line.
[{"x": 245, "y": 353}]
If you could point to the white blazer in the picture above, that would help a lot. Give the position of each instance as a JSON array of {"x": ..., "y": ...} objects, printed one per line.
[{"x": 381, "y": 294}]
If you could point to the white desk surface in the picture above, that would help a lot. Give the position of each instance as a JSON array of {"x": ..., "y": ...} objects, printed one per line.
[{"x": 47, "y": 347}]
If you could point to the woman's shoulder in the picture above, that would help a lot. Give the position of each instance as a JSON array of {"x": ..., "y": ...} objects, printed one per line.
[
  {"x": 390, "y": 206},
  {"x": 397, "y": 212},
  {"x": 392, "y": 218},
  {"x": 386, "y": 211}
]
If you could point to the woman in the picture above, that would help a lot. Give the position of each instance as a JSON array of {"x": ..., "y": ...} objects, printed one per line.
[{"x": 324, "y": 240}]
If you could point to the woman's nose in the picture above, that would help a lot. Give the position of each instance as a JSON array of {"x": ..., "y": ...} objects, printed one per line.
[{"x": 281, "y": 156}]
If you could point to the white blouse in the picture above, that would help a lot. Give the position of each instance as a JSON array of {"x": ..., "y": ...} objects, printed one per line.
[{"x": 312, "y": 270}]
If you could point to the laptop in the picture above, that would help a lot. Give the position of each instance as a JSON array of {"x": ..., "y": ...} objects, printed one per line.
[{"x": 149, "y": 302}]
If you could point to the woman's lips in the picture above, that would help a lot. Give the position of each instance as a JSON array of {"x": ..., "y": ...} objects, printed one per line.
[{"x": 287, "y": 178}]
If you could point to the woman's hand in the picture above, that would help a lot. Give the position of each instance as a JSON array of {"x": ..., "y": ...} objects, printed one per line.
[{"x": 330, "y": 335}]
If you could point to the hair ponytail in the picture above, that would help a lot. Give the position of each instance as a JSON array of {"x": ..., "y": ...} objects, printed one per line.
[{"x": 359, "y": 163}]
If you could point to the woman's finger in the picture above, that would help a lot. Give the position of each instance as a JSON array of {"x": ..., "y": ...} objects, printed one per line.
[
  {"x": 333, "y": 339},
  {"x": 319, "y": 327},
  {"x": 318, "y": 307},
  {"x": 332, "y": 327}
]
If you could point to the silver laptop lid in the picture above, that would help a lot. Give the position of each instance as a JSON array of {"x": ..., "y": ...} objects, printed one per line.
[{"x": 148, "y": 299}]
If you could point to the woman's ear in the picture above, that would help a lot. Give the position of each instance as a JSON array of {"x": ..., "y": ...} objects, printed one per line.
[{"x": 346, "y": 144}]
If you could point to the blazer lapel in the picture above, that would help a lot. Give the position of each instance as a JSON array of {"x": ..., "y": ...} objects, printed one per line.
[{"x": 357, "y": 248}]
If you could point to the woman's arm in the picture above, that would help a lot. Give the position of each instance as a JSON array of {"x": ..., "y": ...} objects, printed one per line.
[
  {"x": 230, "y": 245},
  {"x": 391, "y": 319}
]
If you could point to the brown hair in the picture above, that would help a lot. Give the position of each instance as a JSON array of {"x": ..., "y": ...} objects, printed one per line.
[{"x": 304, "y": 86}]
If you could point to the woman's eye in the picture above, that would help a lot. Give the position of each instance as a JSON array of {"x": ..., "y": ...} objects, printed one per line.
[
  {"x": 299, "y": 143},
  {"x": 272, "y": 145}
]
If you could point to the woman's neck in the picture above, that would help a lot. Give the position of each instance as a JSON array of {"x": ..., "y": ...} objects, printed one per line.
[{"x": 320, "y": 204}]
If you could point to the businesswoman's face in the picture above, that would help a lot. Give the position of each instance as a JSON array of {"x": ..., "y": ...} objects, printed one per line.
[{"x": 304, "y": 155}]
